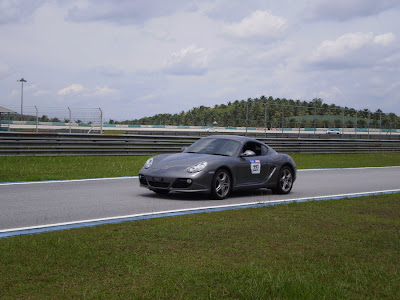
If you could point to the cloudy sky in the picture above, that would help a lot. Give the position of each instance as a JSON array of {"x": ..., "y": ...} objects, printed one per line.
[{"x": 136, "y": 58}]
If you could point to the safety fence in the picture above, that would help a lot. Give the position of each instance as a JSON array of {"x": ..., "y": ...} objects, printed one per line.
[
  {"x": 252, "y": 114},
  {"x": 33, "y": 126},
  {"x": 24, "y": 144},
  {"x": 209, "y": 128},
  {"x": 56, "y": 116}
]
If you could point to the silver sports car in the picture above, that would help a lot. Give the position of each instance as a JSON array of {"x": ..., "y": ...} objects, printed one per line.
[{"x": 219, "y": 165}]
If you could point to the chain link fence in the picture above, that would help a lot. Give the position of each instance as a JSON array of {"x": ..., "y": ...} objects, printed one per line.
[
  {"x": 92, "y": 117},
  {"x": 58, "y": 114},
  {"x": 250, "y": 115}
]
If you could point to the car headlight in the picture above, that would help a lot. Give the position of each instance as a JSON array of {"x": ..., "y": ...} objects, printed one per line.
[
  {"x": 197, "y": 167},
  {"x": 148, "y": 163}
]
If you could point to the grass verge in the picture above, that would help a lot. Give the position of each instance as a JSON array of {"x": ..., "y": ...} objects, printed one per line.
[
  {"x": 32, "y": 168},
  {"x": 35, "y": 168},
  {"x": 338, "y": 249},
  {"x": 354, "y": 160}
]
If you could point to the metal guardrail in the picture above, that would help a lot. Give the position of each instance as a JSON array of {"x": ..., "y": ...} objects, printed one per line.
[
  {"x": 31, "y": 144},
  {"x": 271, "y": 134}
]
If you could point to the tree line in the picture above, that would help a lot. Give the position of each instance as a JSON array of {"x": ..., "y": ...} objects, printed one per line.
[{"x": 273, "y": 113}]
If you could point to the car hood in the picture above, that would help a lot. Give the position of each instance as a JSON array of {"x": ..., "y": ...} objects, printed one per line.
[{"x": 184, "y": 160}]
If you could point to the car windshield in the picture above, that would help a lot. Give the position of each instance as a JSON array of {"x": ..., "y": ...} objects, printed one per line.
[{"x": 214, "y": 146}]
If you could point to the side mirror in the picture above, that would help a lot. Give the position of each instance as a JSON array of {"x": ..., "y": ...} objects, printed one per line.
[
  {"x": 248, "y": 153},
  {"x": 183, "y": 149}
]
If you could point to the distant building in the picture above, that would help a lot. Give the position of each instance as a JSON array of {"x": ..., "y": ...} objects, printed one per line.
[{"x": 5, "y": 125}]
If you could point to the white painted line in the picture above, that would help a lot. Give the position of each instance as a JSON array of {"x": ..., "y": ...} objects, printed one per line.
[{"x": 119, "y": 219}]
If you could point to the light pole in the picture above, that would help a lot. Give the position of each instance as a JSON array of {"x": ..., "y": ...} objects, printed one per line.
[{"x": 22, "y": 80}]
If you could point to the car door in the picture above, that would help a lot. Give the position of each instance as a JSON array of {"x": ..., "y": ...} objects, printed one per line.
[{"x": 253, "y": 170}]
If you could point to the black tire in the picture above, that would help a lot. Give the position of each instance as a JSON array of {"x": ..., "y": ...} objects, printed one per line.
[
  {"x": 161, "y": 192},
  {"x": 221, "y": 185},
  {"x": 285, "y": 181}
]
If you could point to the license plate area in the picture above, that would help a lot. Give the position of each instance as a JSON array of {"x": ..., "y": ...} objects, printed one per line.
[{"x": 158, "y": 179}]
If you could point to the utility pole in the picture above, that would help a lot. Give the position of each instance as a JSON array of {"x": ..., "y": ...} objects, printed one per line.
[
  {"x": 265, "y": 119},
  {"x": 22, "y": 80},
  {"x": 247, "y": 115}
]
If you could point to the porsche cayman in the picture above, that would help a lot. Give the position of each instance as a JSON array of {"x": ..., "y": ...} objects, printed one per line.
[{"x": 219, "y": 165}]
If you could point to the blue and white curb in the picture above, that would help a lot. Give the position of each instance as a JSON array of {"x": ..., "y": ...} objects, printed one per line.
[{"x": 171, "y": 213}]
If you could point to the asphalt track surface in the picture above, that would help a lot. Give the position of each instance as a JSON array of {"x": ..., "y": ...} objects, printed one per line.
[{"x": 55, "y": 205}]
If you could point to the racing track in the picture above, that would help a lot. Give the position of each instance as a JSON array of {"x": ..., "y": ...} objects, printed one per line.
[{"x": 54, "y": 205}]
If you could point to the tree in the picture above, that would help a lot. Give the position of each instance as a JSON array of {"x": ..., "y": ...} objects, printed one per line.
[
  {"x": 234, "y": 114},
  {"x": 44, "y": 118},
  {"x": 317, "y": 102}
]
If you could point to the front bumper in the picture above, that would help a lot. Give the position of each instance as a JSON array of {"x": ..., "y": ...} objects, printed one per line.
[{"x": 190, "y": 183}]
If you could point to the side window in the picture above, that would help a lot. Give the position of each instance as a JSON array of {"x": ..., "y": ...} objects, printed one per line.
[
  {"x": 256, "y": 148},
  {"x": 264, "y": 150}
]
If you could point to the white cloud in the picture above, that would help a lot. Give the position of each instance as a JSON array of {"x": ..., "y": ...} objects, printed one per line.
[
  {"x": 260, "y": 25},
  {"x": 330, "y": 94},
  {"x": 274, "y": 55},
  {"x": 352, "y": 50},
  {"x": 120, "y": 54},
  {"x": 99, "y": 91},
  {"x": 72, "y": 89},
  {"x": 102, "y": 92},
  {"x": 30, "y": 87},
  {"x": 148, "y": 97},
  {"x": 384, "y": 39},
  {"x": 187, "y": 61},
  {"x": 343, "y": 45},
  {"x": 40, "y": 93}
]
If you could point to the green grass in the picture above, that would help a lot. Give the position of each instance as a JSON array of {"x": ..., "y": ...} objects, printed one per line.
[
  {"x": 311, "y": 161},
  {"x": 32, "y": 168},
  {"x": 338, "y": 249}
]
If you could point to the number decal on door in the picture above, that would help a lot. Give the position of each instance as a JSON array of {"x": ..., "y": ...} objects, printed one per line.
[{"x": 255, "y": 166}]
